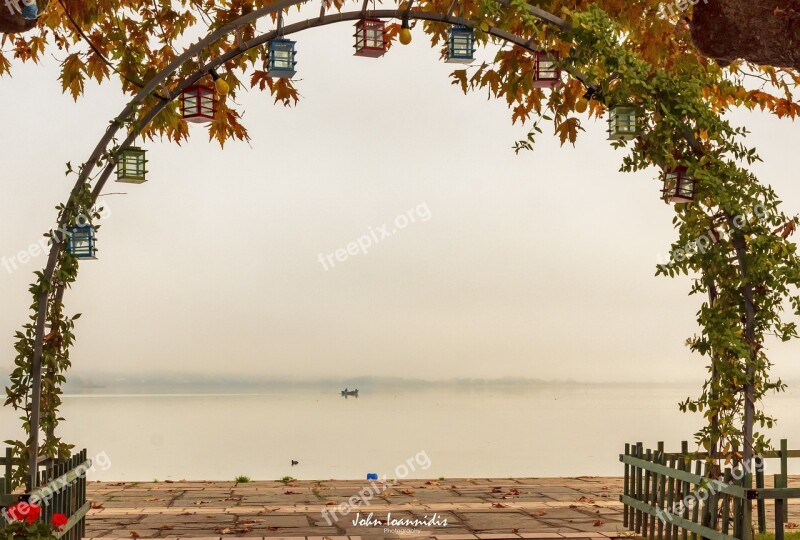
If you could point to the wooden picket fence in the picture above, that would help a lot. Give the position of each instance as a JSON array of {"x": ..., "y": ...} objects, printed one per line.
[
  {"x": 61, "y": 490},
  {"x": 657, "y": 483}
]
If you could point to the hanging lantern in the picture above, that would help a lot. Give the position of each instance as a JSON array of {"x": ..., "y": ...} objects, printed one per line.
[
  {"x": 81, "y": 242},
  {"x": 371, "y": 38},
  {"x": 131, "y": 164},
  {"x": 281, "y": 58},
  {"x": 461, "y": 45},
  {"x": 546, "y": 73},
  {"x": 678, "y": 186},
  {"x": 198, "y": 104},
  {"x": 622, "y": 123}
]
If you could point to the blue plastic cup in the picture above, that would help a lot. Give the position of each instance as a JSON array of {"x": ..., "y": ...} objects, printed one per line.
[{"x": 30, "y": 12}]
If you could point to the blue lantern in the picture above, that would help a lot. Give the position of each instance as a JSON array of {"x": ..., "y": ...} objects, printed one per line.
[
  {"x": 461, "y": 45},
  {"x": 30, "y": 11},
  {"x": 281, "y": 58},
  {"x": 81, "y": 242}
]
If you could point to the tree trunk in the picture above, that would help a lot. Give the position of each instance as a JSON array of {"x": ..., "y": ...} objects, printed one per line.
[{"x": 764, "y": 32}]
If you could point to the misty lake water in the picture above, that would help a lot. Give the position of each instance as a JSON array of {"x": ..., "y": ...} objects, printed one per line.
[{"x": 466, "y": 431}]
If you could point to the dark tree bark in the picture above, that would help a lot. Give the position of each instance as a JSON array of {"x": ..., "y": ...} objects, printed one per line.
[
  {"x": 764, "y": 32},
  {"x": 11, "y": 21}
]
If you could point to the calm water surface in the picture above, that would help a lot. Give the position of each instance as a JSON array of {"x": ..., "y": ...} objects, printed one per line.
[{"x": 495, "y": 431}]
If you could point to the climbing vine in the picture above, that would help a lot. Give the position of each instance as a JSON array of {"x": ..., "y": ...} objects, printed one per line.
[
  {"x": 732, "y": 240},
  {"x": 55, "y": 360}
]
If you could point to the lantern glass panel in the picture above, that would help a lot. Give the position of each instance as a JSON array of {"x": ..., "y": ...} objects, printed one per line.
[
  {"x": 281, "y": 58},
  {"x": 546, "y": 73},
  {"x": 461, "y": 46},
  {"x": 678, "y": 187},
  {"x": 198, "y": 104},
  {"x": 370, "y": 38},
  {"x": 81, "y": 242},
  {"x": 623, "y": 123},
  {"x": 131, "y": 165}
]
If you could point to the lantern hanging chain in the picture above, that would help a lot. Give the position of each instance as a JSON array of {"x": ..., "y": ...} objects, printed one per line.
[{"x": 105, "y": 60}]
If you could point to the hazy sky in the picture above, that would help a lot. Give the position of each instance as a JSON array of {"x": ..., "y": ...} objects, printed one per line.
[{"x": 537, "y": 265}]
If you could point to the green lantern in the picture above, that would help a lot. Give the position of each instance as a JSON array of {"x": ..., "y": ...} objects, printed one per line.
[
  {"x": 131, "y": 164},
  {"x": 623, "y": 123}
]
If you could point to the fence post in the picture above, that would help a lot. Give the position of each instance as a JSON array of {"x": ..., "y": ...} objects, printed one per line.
[
  {"x": 726, "y": 503},
  {"x": 747, "y": 508},
  {"x": 9, "y": 460},
  {"x": 762, "y": 511},
  {"x": 785, "y": 475},
  {"x": 646, "y": 493},
  {"x": 639, "y": 454},
  {"x": 687, "y": 466},
  {"x": 780, "y": 505},
  {"x": 625, "y": 490}
]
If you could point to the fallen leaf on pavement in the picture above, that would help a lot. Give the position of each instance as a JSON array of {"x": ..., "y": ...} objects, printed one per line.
[
  {"x": 97, "y": 505},
  {"x": 499, "y": 505},
  {"x": 539, "y": 513},
  {"x": 585, "y": 499},
  {"x": 599, "y": 522},
  {"x": 134, "y": 534}
]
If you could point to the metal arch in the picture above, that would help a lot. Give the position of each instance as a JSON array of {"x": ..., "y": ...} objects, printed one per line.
[{"x": 101, "y": 148}]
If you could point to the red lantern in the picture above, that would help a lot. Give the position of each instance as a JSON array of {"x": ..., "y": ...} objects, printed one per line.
[
  {"x": 371, "y": 38},
  {"x": 678, "y": 186},
  {"x": 198, "y": 104},
  {"x": 546, "y": 73}
]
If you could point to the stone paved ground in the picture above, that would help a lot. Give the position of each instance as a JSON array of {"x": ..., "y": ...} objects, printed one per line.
[{"x": 539, "y": 508}]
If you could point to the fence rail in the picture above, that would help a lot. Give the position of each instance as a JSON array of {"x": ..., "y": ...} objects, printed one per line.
[
  {"x": 61, "y": 490},
  {"x": 675, "y": 496}
]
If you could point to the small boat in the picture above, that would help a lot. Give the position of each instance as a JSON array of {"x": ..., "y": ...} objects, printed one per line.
[{"x": 347, "y": 392}]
